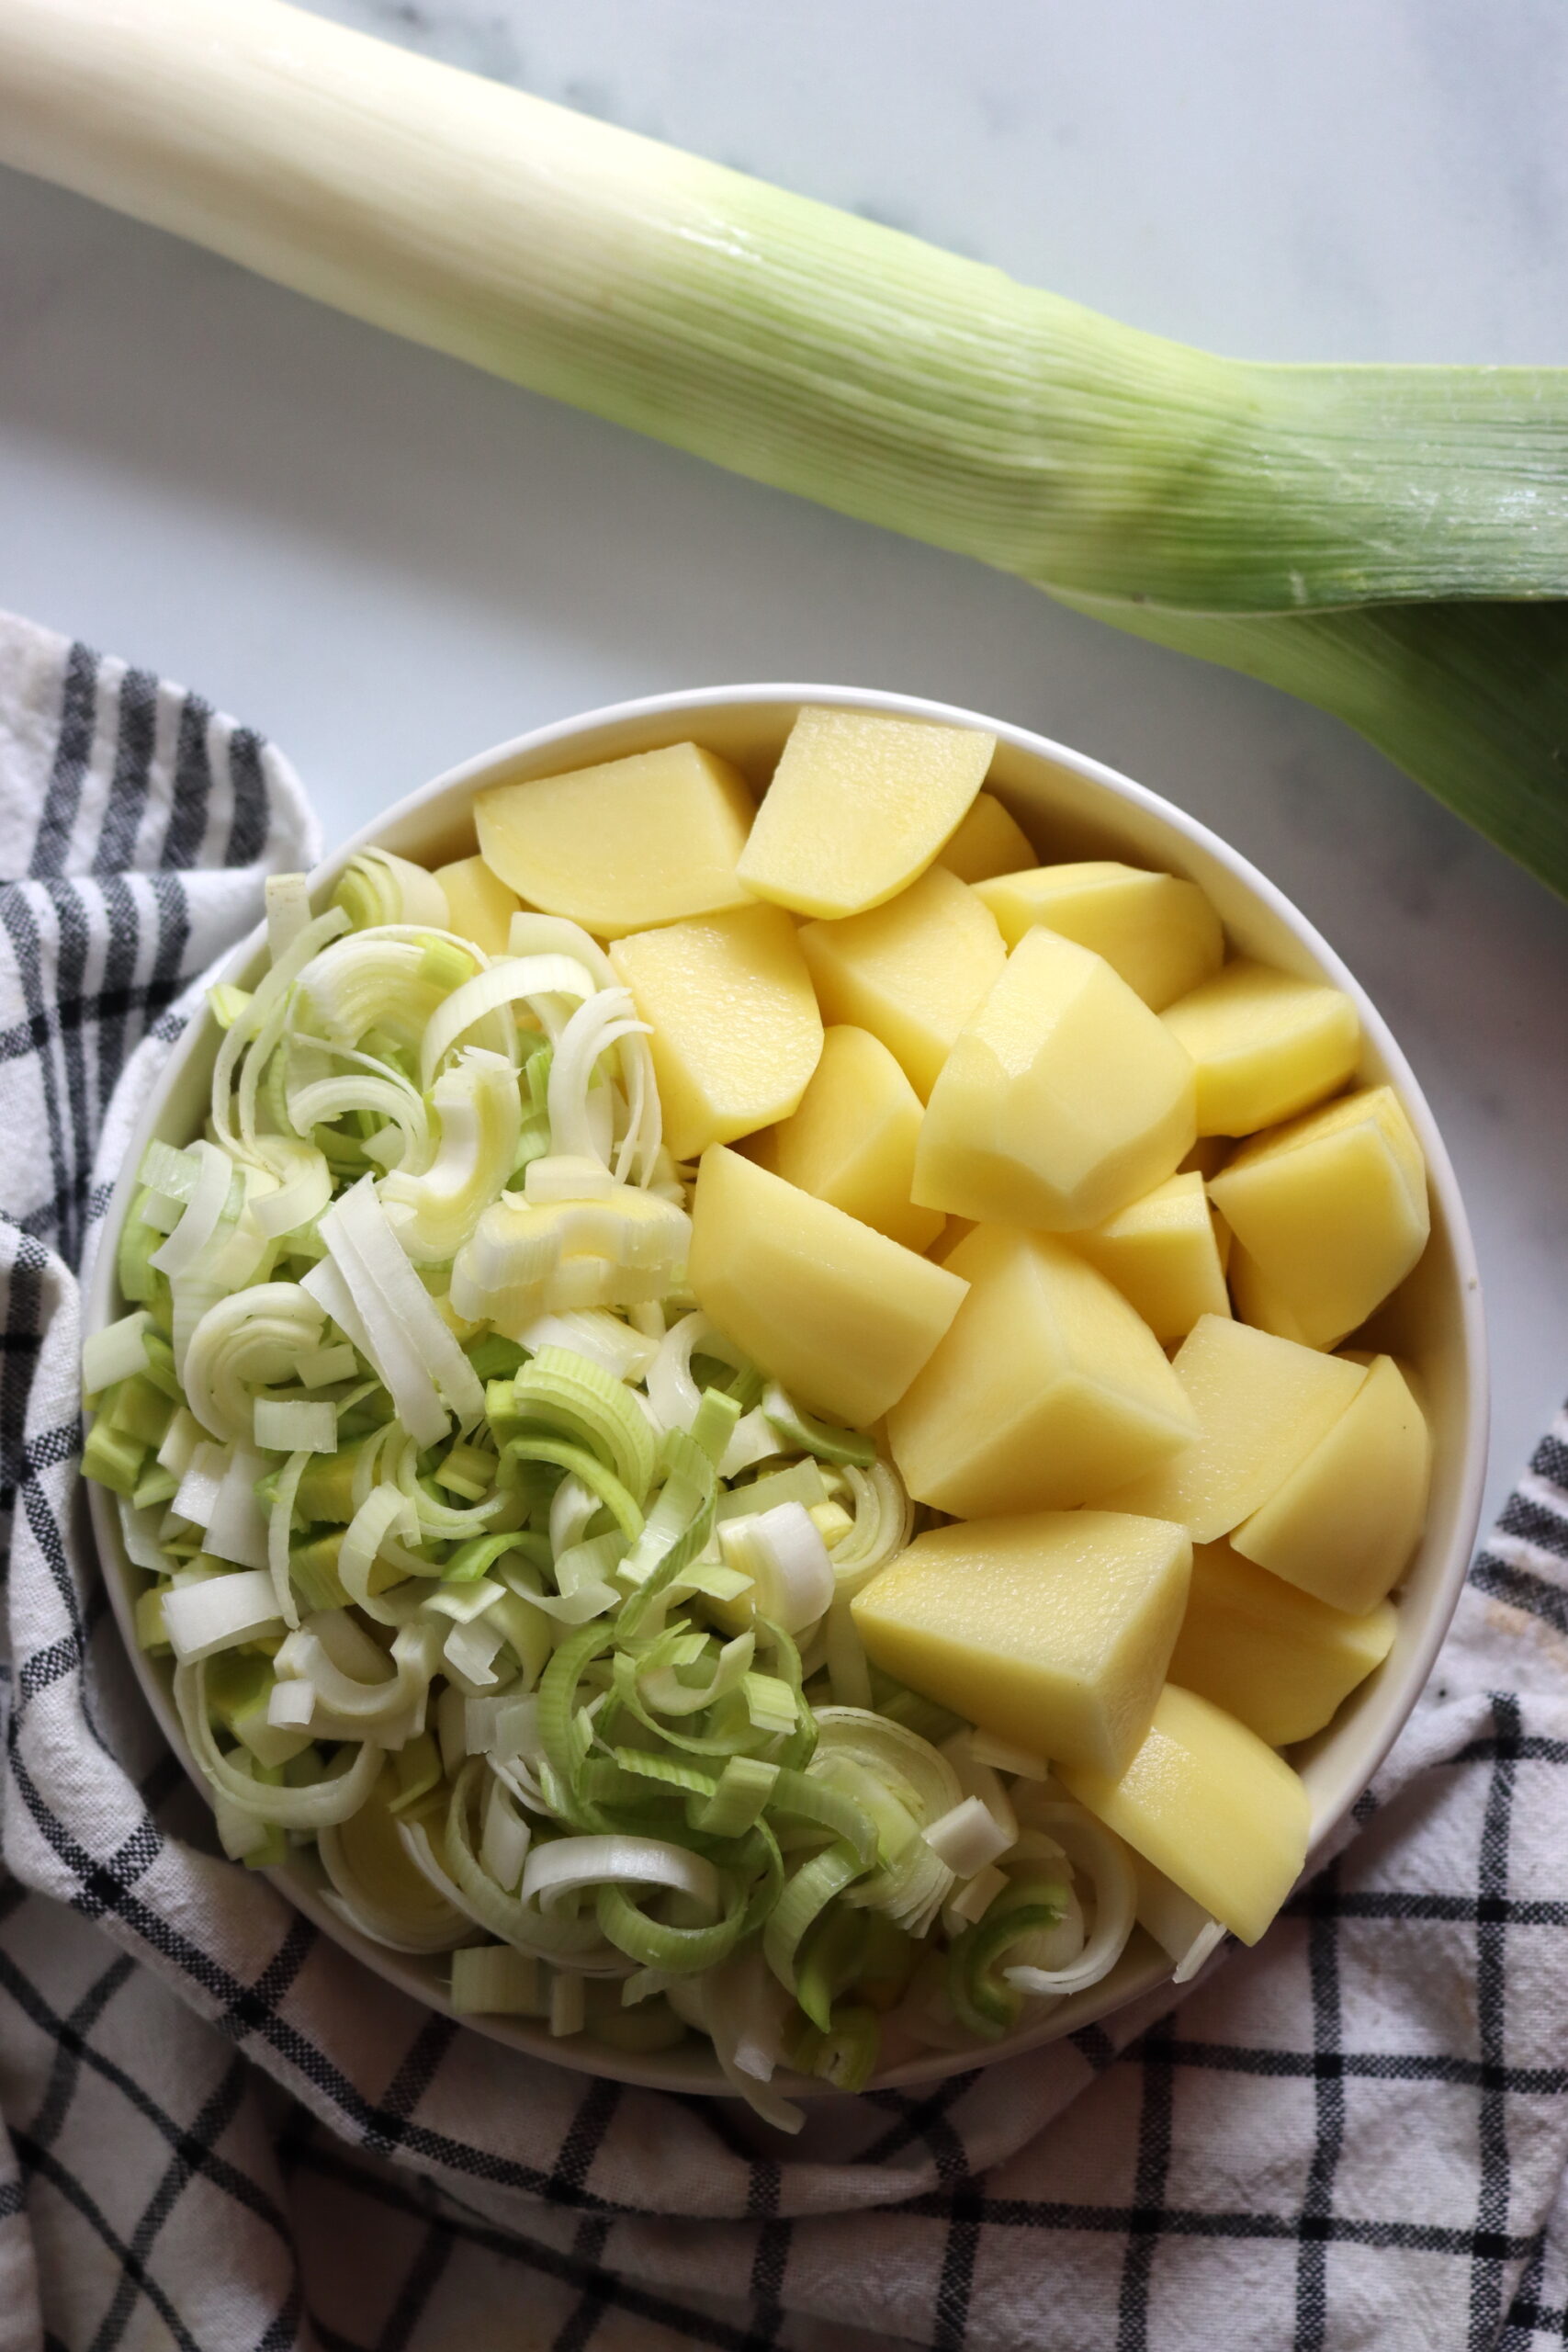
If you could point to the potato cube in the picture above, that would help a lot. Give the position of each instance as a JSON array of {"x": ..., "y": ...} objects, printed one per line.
[
  {"x": 1160, "y": 934},
  {"x": 479, "y": 905},
  {"x": 1163, "y": 1255},
  {"x": 1277, "y": 1659},
  {"x": 1051, "y": 1631},
  {"x": 1262, "y": 1404},
  {"x": 1256, "y": 1300},
  {"x": 989, "y": 841},
  {"x": 1332, "y": 1211},
  {"x": 1046, "y": 1392},
  {"x": 625, "y": 845},
  {"x": 839, "y": 1314},
  {"x": 852, "y": 1140},
  {"x": 1207, "y": 1803},
  {"x": 1208, "y": 1156},
  {"x": 911, "y": 971},
  {"x": 859, "y": 806},
  {"x": 1266, "y": 1044},
  {"x": 1062, "y": 1100},
  {"x": 736, "y": 1029},
  {"x": 1343, "y": 1524}
]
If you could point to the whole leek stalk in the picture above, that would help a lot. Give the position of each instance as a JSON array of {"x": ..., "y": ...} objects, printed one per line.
[{"x": 1388, "y": 542}]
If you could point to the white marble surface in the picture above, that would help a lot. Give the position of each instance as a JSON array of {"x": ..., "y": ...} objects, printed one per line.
[{"x": 388, "y": 563}]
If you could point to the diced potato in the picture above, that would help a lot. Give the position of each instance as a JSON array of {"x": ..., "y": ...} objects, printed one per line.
[
  {"x": 736, "y": 1033},
  {"x": 1163, "y": 1256},
  {"x": 479, "y": 905},
  {"x": 852, "y": 1140},
  {"x": 1262, "y": 1404},
  {"x": 1207, "y": 1803},
  {"x": 1046, "y": 1392},
  {"x": 1160, "y": 934},
  {"x": 1332, "y": 1212},
  {"x": 989, "y": 841},
  {"x": 1062, "y": 1100},
  {"x": 911, "y": 971},
  {"x": 839, "y": 1314},
  {"x": 1277, "y": 1659},
  {"x": 1208, "y": 1156},
  {"x": 1051, "y": 1632},
  {"x": 858, "y": 805},
  {"x": 1343, "y": 1524},
  {"x": 1266, "y": 1044},
  {"x": 625, "y": 845}
]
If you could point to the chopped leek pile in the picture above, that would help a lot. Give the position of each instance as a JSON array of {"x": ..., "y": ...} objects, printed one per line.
[{"x": 487, "y": 1566}]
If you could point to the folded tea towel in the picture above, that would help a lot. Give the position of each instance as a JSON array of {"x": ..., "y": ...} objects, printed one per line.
[{"x": 221, "y": 2133}]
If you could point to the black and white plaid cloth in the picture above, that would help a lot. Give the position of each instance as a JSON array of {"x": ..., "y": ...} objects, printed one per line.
[{"x": 220, "y": 2134}]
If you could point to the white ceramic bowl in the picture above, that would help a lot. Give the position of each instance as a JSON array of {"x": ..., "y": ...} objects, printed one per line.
[{"x": 1071, "y": 807}]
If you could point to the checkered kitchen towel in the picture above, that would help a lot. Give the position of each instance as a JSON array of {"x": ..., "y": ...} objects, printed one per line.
[{"x": 220, "y": 2134}]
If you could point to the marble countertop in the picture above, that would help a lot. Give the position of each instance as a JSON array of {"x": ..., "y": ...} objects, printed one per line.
[{"x": 388, "y": 563}]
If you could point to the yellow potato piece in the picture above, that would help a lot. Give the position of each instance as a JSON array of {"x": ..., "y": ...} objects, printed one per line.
[
  {"x": 1343, "y": 1524},
  {"x": 1160, "y": 934},
  {"x": 852, "y": 1140},
  {"x": 1266, "y": 1044},
  {"x": 1047, "y": 1391},
  {"x": 1262, "y": 1404},
  {"x": 479, "y": 905},
  {"x": 1208, "y": 1156},
  {"x": 735, "y": 1032},
  {"x": 1062, "y": 1100},
  {"x": 1207, "y": 1803},
  {"x": 1163, "y": 1255},
  {"x": 858, "y": 807},
  {"x": 989, "y": 841},
  {"x": 1277, "y": 1659},
  {"x": 1051, "y": 1631},
  {"x": 1257, "y": 1301},
  {"x": 839, "y": 1314},
  {"x": 625, "y": 845},
  {"x": 911, "y": 971},
  {"x": 1332, "y": 1211}
]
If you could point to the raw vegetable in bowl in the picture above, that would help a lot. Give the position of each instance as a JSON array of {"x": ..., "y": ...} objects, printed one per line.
[{"x": 649, "y": 1415}]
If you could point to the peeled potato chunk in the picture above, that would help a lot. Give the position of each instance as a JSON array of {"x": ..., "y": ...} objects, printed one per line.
[
  {"x": 1051, "y": 1632},
  {"x": 1160, "y": 934},
  {"x": 1262, "y": 1404},
  {"x": 1162, "y": 1254},
  {"x": 1332, "y": 1211},
  {"x": 479, "y": 905},
  {"x": 839, "y": 1314},
  {"x": 852, "y": 1141},
  {"x": 1266, "y": 1044},
  {"x": 911, "y": 971},
  {"x": 1062, "y": 1100},
  {"x": 1277, "y": 1659},
  {"x": 1210, "y": 1804},
  {"x": 1046, "y": 1392},
  {"x": 735, "y": 1032},
  {"x": 1256, "y": 1300},
  {"x": 859, "y": 806},
  {"x": 1345, "y": 1523},
  {"x": 625, "y": 845},
  {"x": 989, "y": 841}
]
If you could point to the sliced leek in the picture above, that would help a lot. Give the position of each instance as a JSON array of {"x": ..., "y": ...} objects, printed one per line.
[{"x": 513, "y": 1626}]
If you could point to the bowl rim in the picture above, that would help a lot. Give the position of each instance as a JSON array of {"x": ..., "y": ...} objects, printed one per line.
[{"x": 692, "y": 2068}]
